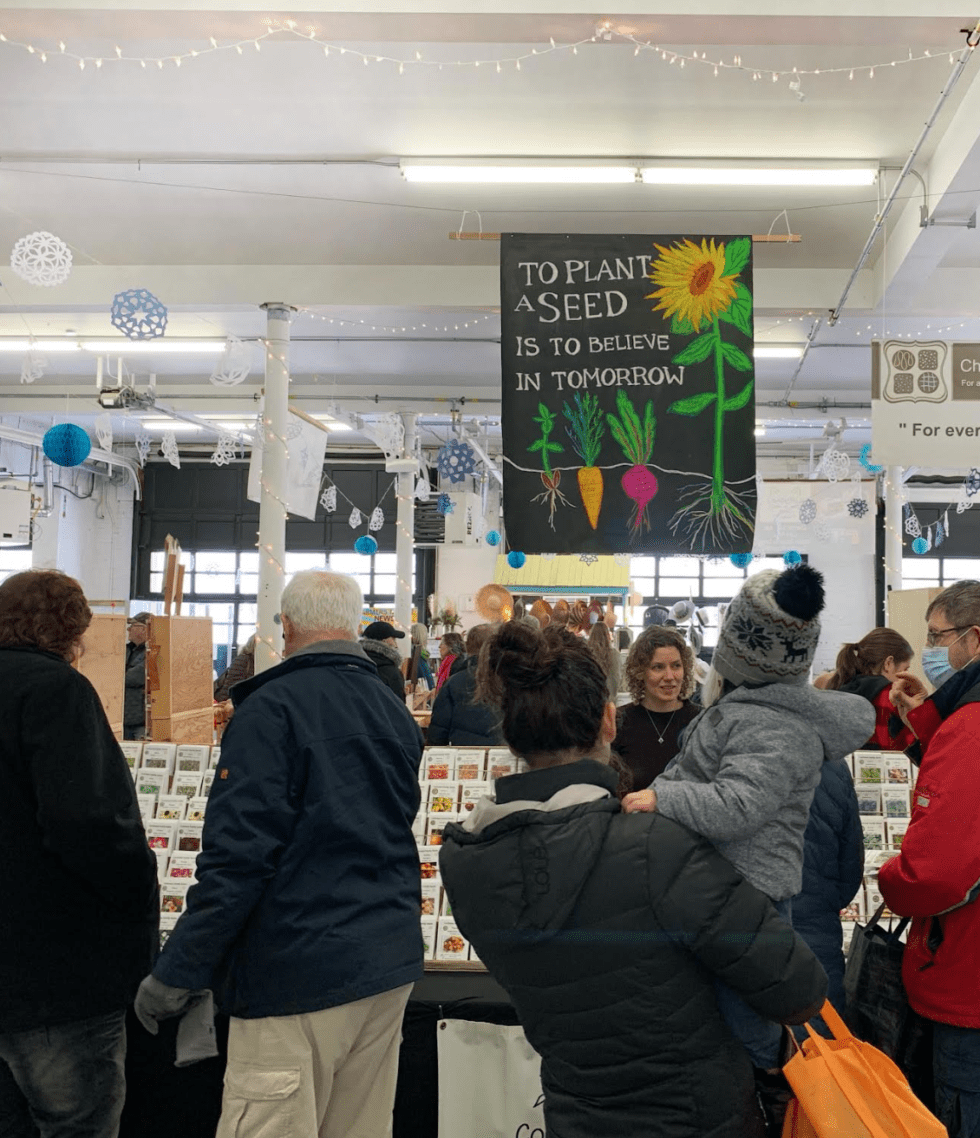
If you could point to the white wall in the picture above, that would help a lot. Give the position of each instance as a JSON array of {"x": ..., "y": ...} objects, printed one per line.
[
  {"x": 90, "y": 539},
  {"x": 460, "y": 571}
]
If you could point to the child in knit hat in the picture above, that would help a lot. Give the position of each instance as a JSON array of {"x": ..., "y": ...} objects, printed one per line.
[{"x": 750, "y": 762}]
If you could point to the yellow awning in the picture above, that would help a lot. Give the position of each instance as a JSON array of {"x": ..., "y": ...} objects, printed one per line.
[{"x": 564, "y": 575}]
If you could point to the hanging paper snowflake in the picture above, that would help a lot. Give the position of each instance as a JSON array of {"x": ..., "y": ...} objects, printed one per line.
[
  {"x": 169, "y": 446},
  {"x": 792, "y": 557},
  {"x": 142, "y": 445},
  {"x": 515, "y": 559},
  {"x": 912, "y": 526},
  {"x": 493, "y": 537},
  {"x": 621, "y": 559},
  {"x": 971, "y": 484},
  {"x": 865, "y": 460},
  {"x": 366, "y": 545},
  {"x": 456, "y": 460},
  {"x": 588, "y": 558},
  {"x": 920, "y": 546},
  {"x": 103, "y": 430},
  {"x": 445, "y": 505},
  {"x": 387, "y": 432},
  {"x": 355, "y": 518},
  {"x": 857, "y": 507},
  {"x": 328, "y": 499},
  {"x": 822, "y": 531},
  {"x": 32, "y": 367},
  {"x": 808, "y": 511},
  {"x": 138, "y": 314},
  {"x": 422, "y": 489},
  {"x": 41, "y": 259},
  {"x": 234, "y": 365},
  {"x": 835, "y": 464},
  {"x": 224, "y": 451},
  {"x": 377, "y": 519},
  {"x": 293, "y": 429},
  {"x": 940, "y": 534},
  {"x": 741, "y": 560}
]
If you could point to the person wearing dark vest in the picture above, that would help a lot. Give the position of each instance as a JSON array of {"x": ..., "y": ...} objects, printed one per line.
[
  {"x": 606, "y": 929},
  {"x": 935, "y": 879},
  {"x": 660, "y": 677},
  {"x": 868, "y": 668}
]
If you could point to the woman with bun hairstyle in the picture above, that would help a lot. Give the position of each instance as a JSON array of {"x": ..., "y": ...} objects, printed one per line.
[
  {"x": 868, "y": 668},
  {"x": 606, "y": 929}
]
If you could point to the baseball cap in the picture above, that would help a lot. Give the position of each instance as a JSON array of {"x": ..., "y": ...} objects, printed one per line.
[
  {"x": 140, "y": 618},
  {"x": 381, "y": 630}
]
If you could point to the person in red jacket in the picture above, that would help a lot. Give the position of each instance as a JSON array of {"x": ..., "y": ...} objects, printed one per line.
[
  {"x": 935, "y": 879},
  {"x": 869, "y": 667}
]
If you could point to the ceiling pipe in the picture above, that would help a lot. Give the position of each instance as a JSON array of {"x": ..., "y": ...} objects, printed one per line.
[
  {"x": 25, "y": 438},
  {"x": 973, "y": 37}
]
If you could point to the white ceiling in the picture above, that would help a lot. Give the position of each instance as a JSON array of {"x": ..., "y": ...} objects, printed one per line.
[{"x": 239, "y": 178}]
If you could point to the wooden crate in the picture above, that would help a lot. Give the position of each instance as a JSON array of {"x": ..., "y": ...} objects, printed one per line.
[
  {"x": 179, "y": 680},
  {"x": 104, "y": 663}
]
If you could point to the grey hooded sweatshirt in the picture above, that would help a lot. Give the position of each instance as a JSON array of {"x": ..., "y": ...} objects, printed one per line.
[{"x": 746, "y": 774}]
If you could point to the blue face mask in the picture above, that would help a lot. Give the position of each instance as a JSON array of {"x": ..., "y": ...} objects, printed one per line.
[{"x": 936, "y": 665}]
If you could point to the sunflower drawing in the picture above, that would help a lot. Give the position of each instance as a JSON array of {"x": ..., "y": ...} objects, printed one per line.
[
  {"x": 699, "y": 292},
  {"x": 694, "y": 286}
]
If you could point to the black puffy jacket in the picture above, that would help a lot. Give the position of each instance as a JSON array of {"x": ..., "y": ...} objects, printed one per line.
[
  {"x": 833, "y": 863},
  {"x": 607, "y": 930},
  {"x": 457, "y": 719}
]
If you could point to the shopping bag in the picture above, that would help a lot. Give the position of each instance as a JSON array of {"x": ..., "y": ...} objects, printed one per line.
[
  {"x": 848, "y": 1088},
  {"x": 796, "y": 1124}
]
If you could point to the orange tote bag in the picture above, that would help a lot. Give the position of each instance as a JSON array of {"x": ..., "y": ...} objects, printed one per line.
[{"x": 848, "y": 1089}]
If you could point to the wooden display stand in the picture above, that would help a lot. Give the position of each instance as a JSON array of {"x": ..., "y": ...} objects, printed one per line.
[
  {"x": 907, "y": 616},
  {"x": 103, "y": 662},
  {"x": 179, "y": 680}
]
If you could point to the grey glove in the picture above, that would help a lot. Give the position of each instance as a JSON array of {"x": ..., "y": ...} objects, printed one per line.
[{"x": 156, "y": 1001}]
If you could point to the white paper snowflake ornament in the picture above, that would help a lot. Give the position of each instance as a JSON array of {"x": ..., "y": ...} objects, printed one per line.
[
  {"x": 377, "y": 519},
  {"x": 103, "y": 430},
  {"x": 387, "y": 432},
  {"x": 32, "y": 367},
  {"x": 142, "y": 445},
  {"x": 836, "y": 464},
  {"x": 808, "y": 511},
  {"x": 234, "y": 365},
  {"x": 328, "y": 499},
  {"x": 355, "y": 518},
  {"x": 170, "y": 452},
  {"x": 422, "y": 490},
  {"x": 41, "y": 259},
  {"x": 225, "y": 449},
  {"x": 138, "y": 314}
]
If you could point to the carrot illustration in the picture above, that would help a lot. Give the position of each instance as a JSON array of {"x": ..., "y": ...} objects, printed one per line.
[
  {"x": 636, "y": 440},
  {"x": 586, "y": 431},
  {"x": 551, "y": 480}
]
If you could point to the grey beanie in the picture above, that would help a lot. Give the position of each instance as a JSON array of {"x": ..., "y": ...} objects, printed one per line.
[{"x": 771, "y": 629}]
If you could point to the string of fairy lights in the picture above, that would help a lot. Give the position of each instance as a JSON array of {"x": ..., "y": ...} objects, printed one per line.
[{"x": 605, "y": 31}]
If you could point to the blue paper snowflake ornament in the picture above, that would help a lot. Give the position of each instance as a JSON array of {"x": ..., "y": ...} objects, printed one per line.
[
  {"x": 971, "y": 484},
  {"x": 138, "y": 314},
  {"x": 445, "y": 505},
  {"x": 456, "y": 460},
  {"x": 66, "y": 444}
]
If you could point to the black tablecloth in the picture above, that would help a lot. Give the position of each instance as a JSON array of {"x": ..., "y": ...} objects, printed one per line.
[{"x": 163, "y": 1100}]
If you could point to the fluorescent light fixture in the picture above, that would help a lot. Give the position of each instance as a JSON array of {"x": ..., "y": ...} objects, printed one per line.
[
  {"x": 758, "y": 175},
  {"x": 169, "y": 425},
  {"x": 781, "y": 352},
  {"x": 38, "y": 345},
  {"x": 154, "y": 347},
  {"x": 543, "y": 174},
  {"x": 760, "y": 432},
  {"x": 331, "y": 424}
]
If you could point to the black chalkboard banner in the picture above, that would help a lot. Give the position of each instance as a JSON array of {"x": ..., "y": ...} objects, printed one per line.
[{"x": 628, "y": 393}]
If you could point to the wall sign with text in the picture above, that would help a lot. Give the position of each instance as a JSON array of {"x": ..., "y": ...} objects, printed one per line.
[
  {"x": 628, "y": 393},
  {"x": 925, "y": 403}
]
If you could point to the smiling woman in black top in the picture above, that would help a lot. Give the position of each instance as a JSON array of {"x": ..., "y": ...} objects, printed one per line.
[{"x": 660, "y": 677}]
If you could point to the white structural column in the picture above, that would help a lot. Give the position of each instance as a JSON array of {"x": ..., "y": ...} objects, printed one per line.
[
  {"x": 405, "y": 528},
  {"x": 272, "y": 504},
  {"x": 893, "y": 529}
]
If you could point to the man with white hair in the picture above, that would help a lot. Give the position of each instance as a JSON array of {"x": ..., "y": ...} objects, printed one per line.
[{"x": 305, "y": 917}]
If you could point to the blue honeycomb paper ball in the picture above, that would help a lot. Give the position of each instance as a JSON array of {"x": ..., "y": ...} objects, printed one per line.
[
  {"x": 493, "y": 537},
  {"x": 791, "y": 557},
  {"x": 515, "y": 560},
  {"x": 366, "y": 545},
  {"x": 741, "y": 560},
  {"x": 920, "y": 546},
  {"x": 66, "y": 444}
]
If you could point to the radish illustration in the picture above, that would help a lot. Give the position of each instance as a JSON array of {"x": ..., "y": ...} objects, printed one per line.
[{"x": 636, "y": 439}]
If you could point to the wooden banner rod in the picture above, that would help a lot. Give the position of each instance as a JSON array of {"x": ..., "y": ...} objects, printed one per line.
[{"x": 757, "y": 238}]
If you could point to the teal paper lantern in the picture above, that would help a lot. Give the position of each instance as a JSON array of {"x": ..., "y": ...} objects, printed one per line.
[
  {"x": 741, "y": 560},
  {"x": 792, "y": 557},
  {"x": 516, "y": 560},
  {"x": 493, "y": 537},
  {"x": 920, "y": 546},
  {"x": 66, "y": 444},
  {"x": 366, "y": 545}
]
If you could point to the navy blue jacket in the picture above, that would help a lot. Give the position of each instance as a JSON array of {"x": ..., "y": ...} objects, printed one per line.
[
  {"x": 833, "y": 863},
  {"x": 457, "y": 719},
  {"x": 308, "y": 881}
]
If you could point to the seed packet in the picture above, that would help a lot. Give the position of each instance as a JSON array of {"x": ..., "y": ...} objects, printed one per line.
[
  {"x": 439, "y": 764},
  {"x": 429, "y": 863},
  {"x": 173, "y": 896},
  {"x": 160, "y": 836},
  {"x": 500, "y": 762},
  {"x": 206, "y": 783},
  {"x": 855, "y": 911},
  {"x": 874, "y": 833},
  {"x": 196, "y": 808},
  {"x": 895, "y": 833},
  {"x": 188, "y": 785},
  {"x": 435, "y": 826},
  {"x": 898, "y": 769},
  {"x": 431, "y": 892},
  {"x": 428, "y": 938},
  {"x": 189, "y": 836},
  {"x": 132, "y": 752},
  {"x": 471, "y": 793},
  {"x": 159, "y": 757},
  {"x": 181, "y": 867},
  {"x": 869, "y": 800},
  {"x": 418, "y": 827},
  {"x": 168, "y": 922},
  {"x": 872, "y": 895},
  {"x": 471, "y": 764},
  {"x": 147, "y": 805},
  {"x": 163, "y": 859},
  {"x": 192, "y": 759},
  {"x": 450, "y": 942},
  {"x": 215, "y": 757},
  {"x": 171, "y": 807},
  {"x": 152, "y": 782},
  {"x": 442, "y": 797},
  {"x": 869, "y": 768},
  {"x": 895, "y": 801}
]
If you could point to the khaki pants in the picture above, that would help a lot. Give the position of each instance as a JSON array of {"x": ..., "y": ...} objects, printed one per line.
[{"x": 326, "y": 1074}]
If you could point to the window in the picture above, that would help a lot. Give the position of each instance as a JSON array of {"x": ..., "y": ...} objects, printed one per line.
[
  {"x": 14, "y": 559},
  {"x": 937, "y": 572}
]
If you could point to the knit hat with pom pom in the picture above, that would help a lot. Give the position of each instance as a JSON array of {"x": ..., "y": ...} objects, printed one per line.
[{"x": 771, "y": 629}]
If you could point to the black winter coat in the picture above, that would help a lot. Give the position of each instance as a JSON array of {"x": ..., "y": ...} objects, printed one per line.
[
  {"x": 457, "y": 719},
  {"x": 386, "y": 659},
  {"x": 80, "y": 901},
  {"x": 607, "y": 930},
  {"x": 833, "y": 864},
  {"x": 134, "y": 703}
]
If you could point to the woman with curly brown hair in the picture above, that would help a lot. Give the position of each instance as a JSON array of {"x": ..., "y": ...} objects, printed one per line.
[
  {"x": 660, "y": 678},
  {"x": 80, "y": 891}
]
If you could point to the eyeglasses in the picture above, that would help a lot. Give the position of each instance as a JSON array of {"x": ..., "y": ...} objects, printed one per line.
[{"x": 934, "y": 635}]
